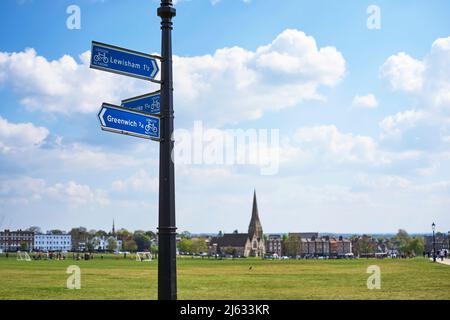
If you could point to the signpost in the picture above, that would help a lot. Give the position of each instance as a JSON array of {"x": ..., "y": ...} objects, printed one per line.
[
  {"x": 167, "y": 231},
  {"x": 124, "y": 121},
  {"x": 148, "y": 103},
  {"x": 123, "y": 61}
]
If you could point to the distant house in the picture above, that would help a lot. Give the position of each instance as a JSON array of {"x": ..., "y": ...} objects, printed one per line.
[
  {"x": 249, "y": 244},
  {"x": 274, "y": 244},
  {"x": 16, "y": 240},
  {"x": 101, "y": 243},
  {"x": 310, "y": 244},
  {"x": 442, "y": 242},
  {"x": 52, "y": 242}
]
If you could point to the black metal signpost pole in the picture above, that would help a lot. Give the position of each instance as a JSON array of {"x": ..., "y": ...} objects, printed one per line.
[{"x": 167, "y": 268}]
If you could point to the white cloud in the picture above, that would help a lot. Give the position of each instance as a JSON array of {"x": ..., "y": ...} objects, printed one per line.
[
  {"x": 236, "y": 84},
  {"x": 231, "y": 85},
  {"x": 429, "y": 78},
  {"x": 20, "y": 136},
  {"x": 427, "y": 82},
  {"x": 393, "y": 126},
  {"x": 140, "y": 181},
  {"x": 403, "y": 72},
  {"x": 27, "y": 189},
  {"x": 367, "y": 101},
  {"x": 400, "y": 183},
  {"x": 328, "y": 145},
  {"x": 83, "y": 156}
]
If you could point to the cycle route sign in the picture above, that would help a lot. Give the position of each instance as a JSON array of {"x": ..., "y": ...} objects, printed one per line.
[
  {"x": 129, "y": 122},
  {"x": 148, "y": 103},
  {"x": 123, "y": 61}
]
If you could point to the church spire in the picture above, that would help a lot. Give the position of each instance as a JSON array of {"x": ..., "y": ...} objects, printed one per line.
[
  {"x": 255, "y": 227},
  {"x": 113, "y": 229},
  {"x": 255, "y": 207}
]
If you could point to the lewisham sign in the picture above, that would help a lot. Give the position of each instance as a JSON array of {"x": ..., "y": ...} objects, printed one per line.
[{"x": 123, "y": 61}]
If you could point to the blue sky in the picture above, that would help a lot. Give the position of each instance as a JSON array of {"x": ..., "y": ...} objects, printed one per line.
[{"x": 363, "y": 115}]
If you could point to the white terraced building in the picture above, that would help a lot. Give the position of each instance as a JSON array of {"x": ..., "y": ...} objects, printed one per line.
[{"x": 52, "y": 242}]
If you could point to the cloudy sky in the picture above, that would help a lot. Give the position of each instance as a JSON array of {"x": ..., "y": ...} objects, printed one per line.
[{"x": 363, "y": 114}]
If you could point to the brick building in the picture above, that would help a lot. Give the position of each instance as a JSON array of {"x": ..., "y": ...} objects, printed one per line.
[{"x": 16, "y": 240}]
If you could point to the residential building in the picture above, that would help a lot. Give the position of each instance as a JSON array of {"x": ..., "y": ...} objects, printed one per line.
[
  {"x": 52, "y": 242},
  {"x": 344, "y": 246},
  {"x": 274, "y": 244},
  {"x": 101, "y": 243},
  {"x": 16, "y": 240},
  {"x": 442, "y": 242}
]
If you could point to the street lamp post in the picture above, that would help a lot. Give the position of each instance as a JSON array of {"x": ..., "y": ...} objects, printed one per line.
[
  {"x": 167, "y": 269},
  {"x": 433, "y": 226}
]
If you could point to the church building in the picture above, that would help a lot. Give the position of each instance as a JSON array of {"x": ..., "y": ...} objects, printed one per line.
[{"x": 249, "y": 244}]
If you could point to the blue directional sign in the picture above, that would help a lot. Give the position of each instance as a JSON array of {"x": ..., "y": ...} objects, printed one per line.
[
  {"x": 148, "y": 103},
  {"x": 123, "y": 61},
  {"x": 124, "y": 121}
]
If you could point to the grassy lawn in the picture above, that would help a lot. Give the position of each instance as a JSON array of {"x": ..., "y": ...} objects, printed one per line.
[{"x": 227, "y": 279}]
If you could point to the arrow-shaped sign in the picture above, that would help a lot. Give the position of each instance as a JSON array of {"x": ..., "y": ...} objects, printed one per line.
[
  {"x": 123, "y": 61},
  {"x": 125, "y": 121},
  {"x": 148, "y": 103}
]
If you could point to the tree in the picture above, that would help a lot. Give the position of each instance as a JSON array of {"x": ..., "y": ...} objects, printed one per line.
[
  {"x": 401, "y": 241},
  {"x": 23, "y": 246},
  {"x": 130, "y": 245},
  {"x": 416, "y": 246},
  {"x": 365, "y": 245},
  {"x": 101, "y": 233},
  {"x": 185, "y": 245},
  {"x": 89, "y": 246},
  {"x": 111, "y": 244},
  {"x": 292, "y": 246},
  {"x": 199, "y": 245},
  {"x": 150, "y": 234},
  {"x": 142, "y": 240},
  {"x": 154, "y": 249},
  {"x": 95, "y": 242},
  {"x": 185, "y": 235},
  {"x": 123, "y": 233},
  {"x": 220, "y": 234},
  {"x": 36, "y": 230}
]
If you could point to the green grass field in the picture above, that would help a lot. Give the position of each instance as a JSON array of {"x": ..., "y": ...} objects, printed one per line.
[{"x": 227, "y": 279}]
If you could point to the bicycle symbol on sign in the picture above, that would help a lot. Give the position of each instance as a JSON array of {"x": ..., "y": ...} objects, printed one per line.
[
  {"x": 155, "y": 104},
  {"x": 101, "y": 56},
  {"x": 151, "y": 127}
]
